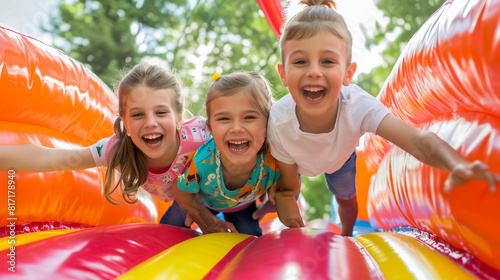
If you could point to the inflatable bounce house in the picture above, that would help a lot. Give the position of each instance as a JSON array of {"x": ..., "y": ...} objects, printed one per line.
[{"x": 58, "y": 225}]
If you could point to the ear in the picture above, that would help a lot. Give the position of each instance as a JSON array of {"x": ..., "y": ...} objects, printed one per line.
[
  {"x": 281, "y": 71},
  {"x": 349, "y": 74},
  {"x": 123, "y": 123},
  {"x": 208, "y": 126},
  {"x": 180, "y": 119}
]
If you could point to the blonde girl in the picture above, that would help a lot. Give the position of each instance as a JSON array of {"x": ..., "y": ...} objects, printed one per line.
[{"x": 234, "y": 168}]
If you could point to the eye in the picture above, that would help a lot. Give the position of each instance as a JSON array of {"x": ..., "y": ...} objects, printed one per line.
[
  {"x": 161, "y": 113},
  {"x": 137, "y": 115},
  {"x": 250, "y": 117},
  {"x": 221, "y": 119},
  {"x": 299, "y": 61},
  {"x": 328, "y": 61}
]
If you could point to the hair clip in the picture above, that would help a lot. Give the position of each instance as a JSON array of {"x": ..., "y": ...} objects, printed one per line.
[{"x": 215, "y": 76}]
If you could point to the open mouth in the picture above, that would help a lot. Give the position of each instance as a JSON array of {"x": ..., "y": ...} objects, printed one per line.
[
  {"x": 153, "y": 139},
  {"x": 314, "y": 93},
  {"x": 238, "y": 146}
]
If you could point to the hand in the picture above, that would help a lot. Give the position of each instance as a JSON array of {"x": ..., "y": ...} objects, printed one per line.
[
  {"x": 263, "y": 209},
  {"x": 288, "y": 211},
  {"x": 218, "y": 226},
  {"x": 476, "y": 170},
  {"x": 292, "y": 222},
  {"x": 188, "y": 222}
]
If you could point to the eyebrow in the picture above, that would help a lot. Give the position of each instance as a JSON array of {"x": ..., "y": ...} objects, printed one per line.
[
  {"x": 224, "y": 113},
  {"x": 322, "y": 52},
  {"x": 155, "y": 107}
]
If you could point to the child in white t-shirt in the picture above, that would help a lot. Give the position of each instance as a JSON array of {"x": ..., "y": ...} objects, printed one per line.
[{"x": 316, "y": 128}]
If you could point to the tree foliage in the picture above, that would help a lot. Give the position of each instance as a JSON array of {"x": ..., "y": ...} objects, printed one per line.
[
  {"x": 194, "y": 37},
  {"x": 404, "y": 19}
]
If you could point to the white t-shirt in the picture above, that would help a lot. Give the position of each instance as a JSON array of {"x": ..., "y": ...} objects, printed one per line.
[{"x": 314, "y": 154}]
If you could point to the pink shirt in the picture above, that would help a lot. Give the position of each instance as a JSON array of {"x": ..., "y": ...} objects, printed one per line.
[{"x": 193, "y": 133}]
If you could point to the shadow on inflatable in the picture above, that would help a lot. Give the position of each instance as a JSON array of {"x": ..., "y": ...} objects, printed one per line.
[{"x": 59, "y": 225}]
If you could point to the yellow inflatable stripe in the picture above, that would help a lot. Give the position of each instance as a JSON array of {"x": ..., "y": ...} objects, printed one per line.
[
  {"x": 191, "y": 259},
  {"x": 25, "y": 238},
  {"x": 402, "y": 257}
]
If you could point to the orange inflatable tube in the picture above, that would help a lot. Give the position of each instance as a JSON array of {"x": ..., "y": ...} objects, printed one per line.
[
  {"x": 50, "y": 99},
  {"x": 445, "y": 81}
]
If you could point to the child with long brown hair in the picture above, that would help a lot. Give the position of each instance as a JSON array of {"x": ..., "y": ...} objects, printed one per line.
[{"x": 150, "y": 147}]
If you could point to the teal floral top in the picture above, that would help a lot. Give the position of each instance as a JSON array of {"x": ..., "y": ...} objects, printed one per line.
[{"x": 200, "y": 177}]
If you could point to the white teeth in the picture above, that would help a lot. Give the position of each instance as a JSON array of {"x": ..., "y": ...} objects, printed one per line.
[
  {"x": 151, "y": 137},
  {"x": 314, "y": 89},
  {"x": 237, "y": 142},
  {"x": 313, "y": 99}
]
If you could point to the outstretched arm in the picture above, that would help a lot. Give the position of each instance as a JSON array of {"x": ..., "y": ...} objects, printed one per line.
[
  {"x": 192, "y": 205},
  {"x": 432, "y": 150},
  {"x": 36, "y": 158},
  {"x": 288, "y": 187}
]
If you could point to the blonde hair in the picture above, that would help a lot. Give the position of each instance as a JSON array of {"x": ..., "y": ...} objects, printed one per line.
[
  {"x": 127, "y": 158},
  {"x": 250, "y": 82},
  {"x": 318, "y": 15}
]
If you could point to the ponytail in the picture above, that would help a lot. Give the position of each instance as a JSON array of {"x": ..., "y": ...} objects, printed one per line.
[{"x": 131, "y": 164}]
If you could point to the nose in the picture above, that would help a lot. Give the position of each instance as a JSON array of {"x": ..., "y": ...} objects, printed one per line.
[
  {"x": 150, "y": 121},
  {"x": 237, "y": 126},
  {"x": 314, "y": 71}
]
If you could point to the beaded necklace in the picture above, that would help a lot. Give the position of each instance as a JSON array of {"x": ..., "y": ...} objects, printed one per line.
[{"x": 248, "y": 196}]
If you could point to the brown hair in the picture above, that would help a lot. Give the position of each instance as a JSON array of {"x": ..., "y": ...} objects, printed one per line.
[
  {"x": 319, "y": 15},
  {"x": 127, "y": 158}
]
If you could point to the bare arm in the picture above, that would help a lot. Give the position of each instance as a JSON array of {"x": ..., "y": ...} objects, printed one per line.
[
  {"x": 432, "y": 150},
  {"x": 36, "y": 158},
  {"x": 192, "y": 205},
  {"x": 288, "y": 187}
]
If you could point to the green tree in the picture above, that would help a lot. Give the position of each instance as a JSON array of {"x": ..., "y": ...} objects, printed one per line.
[
  {"x": 195, "y": 37},
  {"x": 317, "y": 196},
  {"x": 405, "y": 18}
]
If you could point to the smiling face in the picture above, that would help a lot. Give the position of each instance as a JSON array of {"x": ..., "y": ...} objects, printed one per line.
[
  {"x": 238, "y": 128},
  {"x": 151, "y": 121},
  {"x": 314, "y": 71}
]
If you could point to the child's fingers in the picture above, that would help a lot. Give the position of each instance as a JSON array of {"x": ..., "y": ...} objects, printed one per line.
[
  {"x": 497, "y": 181},
  {"x": 231, "y": 227},
  {"x": 481, "y": 170},
  {"x": 448, "y": 185},
  {"x": 300, "y": 222},
  {"x": 257, "y": 213},
  {"x": 477, "y": 170},
  {"x": 454, "y": 180},
  {"x": 263, "y": 210},
  {"x": 294, "y": 223},
  {"x": 188, "y": 222},
  {"x": 491, "y": 178}
]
